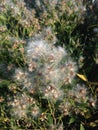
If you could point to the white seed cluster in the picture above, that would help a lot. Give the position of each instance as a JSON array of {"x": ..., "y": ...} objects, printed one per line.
[
  {"x": 75, "y": 98},
  {"x": 21, "y": 104},
  {"x": 48, "y": 68}
]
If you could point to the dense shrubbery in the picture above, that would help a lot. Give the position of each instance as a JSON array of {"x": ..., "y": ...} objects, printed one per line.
[{"x": 48, "y": 65}]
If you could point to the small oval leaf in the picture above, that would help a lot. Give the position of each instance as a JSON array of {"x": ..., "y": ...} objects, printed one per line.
[
  {"x": 82, "y": 77},
  {"x": 82, "y": 127}
]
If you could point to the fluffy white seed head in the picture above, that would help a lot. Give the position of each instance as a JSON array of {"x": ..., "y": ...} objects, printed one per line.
[
  {"x": 20, "y": 104},
  {"x": 53, "y": 93}
]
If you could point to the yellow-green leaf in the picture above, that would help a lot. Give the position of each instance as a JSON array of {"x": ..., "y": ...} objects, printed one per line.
[
  {"x": 82, "y": 127},
  {"x": 83, "y": 77}
]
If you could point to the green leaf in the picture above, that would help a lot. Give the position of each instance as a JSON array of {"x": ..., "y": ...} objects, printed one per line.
[
  {"x": 82, "y": 127},
  {"x": 50, "y": 119},
  {"x": 72, "y": 102},
  {"x": 72, "y": 120},
  {"x": 2, "y": 18}
]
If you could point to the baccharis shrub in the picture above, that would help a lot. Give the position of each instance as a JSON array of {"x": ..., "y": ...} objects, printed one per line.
[
  {"x": 42, "y": 90},
  {"x": 16, "y": 12},
  {"x": 48, "y": 68},
  {"x": 57, "y": 9},
  {"x": 48, "y": 72}
]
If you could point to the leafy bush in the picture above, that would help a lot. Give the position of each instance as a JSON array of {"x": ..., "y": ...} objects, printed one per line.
[{"x": 43, "y": 50}]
